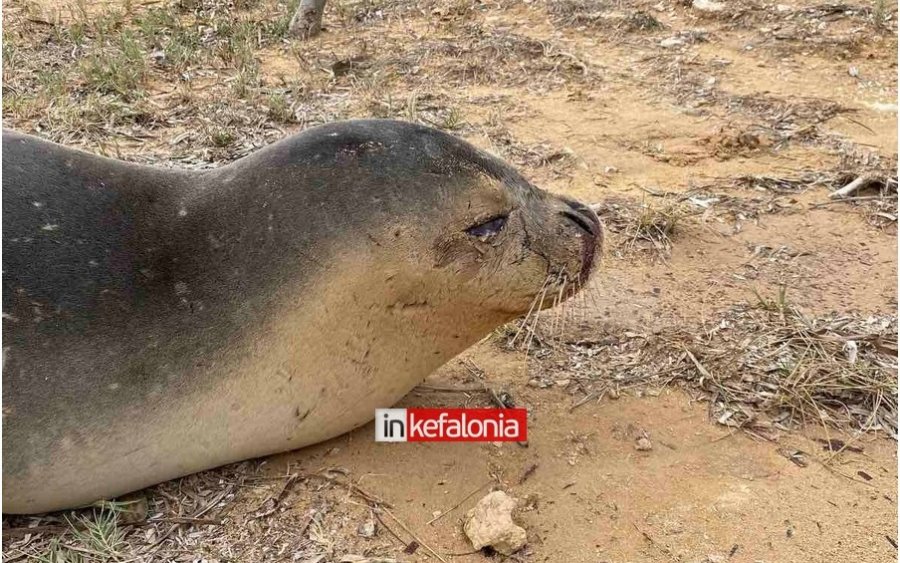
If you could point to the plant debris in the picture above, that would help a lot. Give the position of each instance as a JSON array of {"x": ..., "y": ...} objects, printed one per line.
[{"x": 763, "y": 367}]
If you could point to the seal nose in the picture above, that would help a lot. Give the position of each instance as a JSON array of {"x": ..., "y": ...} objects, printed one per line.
[{"x": 583, "y": 216}]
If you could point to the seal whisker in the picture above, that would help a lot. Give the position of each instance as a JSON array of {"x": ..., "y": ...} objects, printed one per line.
[
  {"x": 583, "y": 295},
  {"x": 537, "y": 316},
  {"x": 557, "y": 300},
  {"x": 591, "y": 291},
  {"x": 561, "y": 311},
  {"x": 531, "y": 309},
  {"x": 565, "y": 305}
]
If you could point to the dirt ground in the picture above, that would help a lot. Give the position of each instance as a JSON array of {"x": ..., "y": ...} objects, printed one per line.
[{"x": 709, "y": 141}]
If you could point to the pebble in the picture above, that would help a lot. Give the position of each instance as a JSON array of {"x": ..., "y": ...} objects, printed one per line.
[
  {"x": 708, "y": 6},
  {"x": 490, "y": 524},
  {"x": 671, "y": 42},
  {"x": 366, "y": 529}
]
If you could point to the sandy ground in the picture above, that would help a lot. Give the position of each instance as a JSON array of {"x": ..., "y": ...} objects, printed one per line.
[
  {"x": 762, "y": 90},
  {"x": 700, "y": 494}
]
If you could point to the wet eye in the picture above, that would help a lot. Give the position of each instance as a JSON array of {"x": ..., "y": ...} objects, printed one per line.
[{"x": 489, "y": 228}]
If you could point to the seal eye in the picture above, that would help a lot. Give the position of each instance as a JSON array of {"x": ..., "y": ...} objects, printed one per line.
[{"x": 489, "y": 228}]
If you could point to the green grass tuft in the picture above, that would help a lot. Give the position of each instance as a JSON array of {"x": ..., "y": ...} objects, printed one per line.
[{"x": 119, "y": 71}]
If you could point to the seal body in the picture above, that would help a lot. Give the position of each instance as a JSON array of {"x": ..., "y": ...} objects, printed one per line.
[{"x": 161, "y": 322}]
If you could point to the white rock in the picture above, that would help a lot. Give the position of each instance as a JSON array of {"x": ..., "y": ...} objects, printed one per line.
[
  {"x": 366, "y": 529},
  {"x": 852, "y": 350},
  {"x": 881, "y": 106},
  {"x": 490, "y": 524},
  {"x": 643, "y": 444},
  {"x": 671, "y": 42},
  {"x": 708, "y": 5}
]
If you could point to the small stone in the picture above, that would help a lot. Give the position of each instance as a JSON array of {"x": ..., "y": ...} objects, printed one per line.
[
  {"x": 150, "y": 535},
  {"x": 490, "y": 524},
  {"x": 610, "y": 169},
  {"x": 708, "y": 6},
  {"x": 881, "y": 106},
  {"x": 539, "y": 383},
  {"x": 562, "y": 382},
  {"x": 366, "y": 529},
  {"x": 671, "y": 42},
  {"x": 782, "y": 8},
  {"x": 853, "y": 71},
  {"x": 643, "y": 444}
]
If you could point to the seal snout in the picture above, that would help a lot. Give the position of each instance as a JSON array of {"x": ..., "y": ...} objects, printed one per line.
[
  {"x": 583, "y": 216},
  {"x": 588, "y": 225}
]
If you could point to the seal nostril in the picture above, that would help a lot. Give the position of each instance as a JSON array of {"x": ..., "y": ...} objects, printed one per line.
[
  {"x": 584, "y": 213},
  {"x": 586, "y": 224}
]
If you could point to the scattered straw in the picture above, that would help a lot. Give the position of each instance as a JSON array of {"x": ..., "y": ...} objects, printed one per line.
[{"x": 763, "y": 367}]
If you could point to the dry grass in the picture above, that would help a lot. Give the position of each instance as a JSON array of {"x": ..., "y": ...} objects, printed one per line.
[
  {"x": 82, "y": 77},
  {"x": 600, "y": 14},
  {"x": 763, "y": 367},
  {"x": 653, "y": 223},
  {"x": 194, "y": 85},
  {"x": 234, "y": 513},
  {"x": 537, "y": 155},
  {"x": 646, "y": 226},
  {"x": 877, "y": 197}
]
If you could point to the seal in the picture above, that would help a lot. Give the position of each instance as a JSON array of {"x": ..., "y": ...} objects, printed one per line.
[{"x": 161, "y": 322}]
